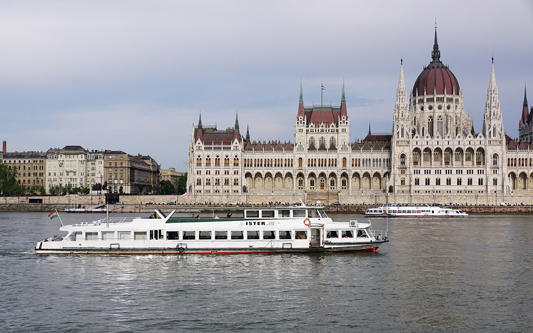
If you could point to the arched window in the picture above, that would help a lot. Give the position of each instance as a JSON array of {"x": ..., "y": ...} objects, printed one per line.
[
  {"x": 208, "y": 161},
  {"x": 402, "y": 159},
  {"x": 198, "y": 161},
  {"x": 495, "y": 159},
  {"x": 344, "y": 162},
  {"x": 300, "y": 161}
]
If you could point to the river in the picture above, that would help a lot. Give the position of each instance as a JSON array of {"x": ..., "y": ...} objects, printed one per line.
[{"x": 454, "y": 275}]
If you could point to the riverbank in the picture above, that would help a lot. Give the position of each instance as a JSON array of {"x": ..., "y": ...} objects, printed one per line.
[{"x": 148, "y": 208}]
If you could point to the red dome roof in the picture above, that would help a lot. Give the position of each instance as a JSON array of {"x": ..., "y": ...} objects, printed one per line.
[{"x": 436, "y": 78}]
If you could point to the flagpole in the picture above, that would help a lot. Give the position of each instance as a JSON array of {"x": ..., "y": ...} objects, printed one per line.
[{"x": 59, "y": 218}]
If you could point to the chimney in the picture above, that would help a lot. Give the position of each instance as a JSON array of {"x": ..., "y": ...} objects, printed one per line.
[{"x": 4, "y": 146}]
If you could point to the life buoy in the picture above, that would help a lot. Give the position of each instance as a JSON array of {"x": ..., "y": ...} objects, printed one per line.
[
  {"x": 306, "y": 222},
  {"x": 181, "y": 249}
]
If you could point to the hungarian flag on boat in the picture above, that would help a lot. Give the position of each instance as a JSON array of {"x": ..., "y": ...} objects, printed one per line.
[{"x": 53, "y": 214}]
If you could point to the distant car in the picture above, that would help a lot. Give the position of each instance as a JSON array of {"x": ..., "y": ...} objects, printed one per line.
[
  {"x": 23, "y": 202},
  {"x": 336, "y": 203},
  {"x": 171, "y": 203},
  {"x": 119, "y": 203},
  {"x": 234, "y": 203}
]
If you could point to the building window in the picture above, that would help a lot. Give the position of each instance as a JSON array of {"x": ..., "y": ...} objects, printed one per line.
[
  {"x": 198, "y": 182},
  {"x": 427, "y": 181},
  {"x": 417, "y": 181},
  {"x": 437, "y": 181},
  {"x": 480, "y": 181},
  {"x": 459, "y": 181},
  {"x": 495, "y": 181},
  {"x": 469, "y": 182}
]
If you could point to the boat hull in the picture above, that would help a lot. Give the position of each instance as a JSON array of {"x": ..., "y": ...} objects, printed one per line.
[{"x": 364, "y": 247}]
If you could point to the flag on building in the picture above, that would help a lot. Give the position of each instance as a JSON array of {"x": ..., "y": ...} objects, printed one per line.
[
  {"x": 323, "y": 88},
  {"x": 53, "y": 214}
]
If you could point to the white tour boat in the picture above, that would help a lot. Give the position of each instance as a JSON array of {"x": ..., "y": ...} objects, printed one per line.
[
  {"x": 260, "y": 230},
  {"x": 414, "y": 210}
]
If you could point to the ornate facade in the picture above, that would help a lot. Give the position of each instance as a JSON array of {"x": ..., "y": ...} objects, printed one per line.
[{"x": 433, "y": 154}]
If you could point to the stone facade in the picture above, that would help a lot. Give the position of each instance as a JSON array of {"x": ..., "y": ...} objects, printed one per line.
[
  {"x": 130, "y": 174},
  {"x": 30, "y": 167},
  {"x": 433, "y": 154}
]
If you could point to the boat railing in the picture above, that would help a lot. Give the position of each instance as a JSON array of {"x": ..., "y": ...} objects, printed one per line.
[
  {"x": 380, "y": 234},
  {"x": 117, "y": 220}
]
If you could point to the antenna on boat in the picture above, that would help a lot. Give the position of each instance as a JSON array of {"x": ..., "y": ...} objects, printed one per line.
[{"x": 301, "y": 201}]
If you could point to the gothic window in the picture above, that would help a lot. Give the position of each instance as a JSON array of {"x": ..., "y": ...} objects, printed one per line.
[
  {"x": 311, "y": 141},
  {"x": 437, "y": 181},
  {"x": 430, "y": 126},
  {"x": 226, "y": 161},
  {"x": 439, "y": 126},
  {"x": 226, "y": 181},
  {"x": 322, "y": 183},
  {"x": 235, "y": 161},
  {"x": 402, "y": 181},
  {"x": 402, "y": 159},
  {"x": 208, "y": 181},
  {"x": 217, "y": 161},
  {"x": 198, "y": 161},
  {"x": 236, "y": 181},
  {"x": 480, "y": 181},
  {"x": 417, "y": 181},
  {"x": 217, "y": 181},
  {"x": 495, "y": 159},
  {"x": 344, "y": 162},
  {"x": 300, "y": 161},
  {"x": 495, "y": 181},
  {"x": 459, "y": 181},
  {"x": 332, "y": 183},
  {"x": 199, "y": 181},
  {"x": 448, "y": 181},
  {"x": 469, "y": 181},
  {"x": 332, "y": 141},
  {"x": 427, "y": 181},
  {"x": 208, "y": 161},
  {"x": 402, "y": 131},
  {"x": 322, "y": 141}
]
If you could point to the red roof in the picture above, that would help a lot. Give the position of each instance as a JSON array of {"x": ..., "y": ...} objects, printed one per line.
[{"x": 436, "y": 79}]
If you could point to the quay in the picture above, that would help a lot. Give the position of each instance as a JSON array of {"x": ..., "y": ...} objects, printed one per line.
[{"x": 207, "y": 210}]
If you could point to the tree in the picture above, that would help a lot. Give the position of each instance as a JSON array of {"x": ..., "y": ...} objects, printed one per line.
[
  {"x": 8, "y": 181},
  {"x": 167, "y": 187},
  {"x": 181, "y": 184}
]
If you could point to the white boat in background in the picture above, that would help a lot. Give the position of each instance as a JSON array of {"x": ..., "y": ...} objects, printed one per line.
[
  {"x": 414, "y": 211},
  {"x": 259, "y": 230},
  {"x": 100, "y": 208}
]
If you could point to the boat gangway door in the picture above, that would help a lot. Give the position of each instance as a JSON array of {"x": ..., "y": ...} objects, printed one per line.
[{"x": 316, "y": 237}]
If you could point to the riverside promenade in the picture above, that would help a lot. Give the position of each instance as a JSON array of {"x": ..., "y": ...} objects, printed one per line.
[{"x": 209, "y": 209}]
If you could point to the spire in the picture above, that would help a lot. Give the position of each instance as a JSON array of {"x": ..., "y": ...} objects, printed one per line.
[
  {"x": 236, "y": 121},
  {"x": 301, "y": 102},
  {"x": 401, "y": 92},
  {"x": 492, "y": 119},
  {"x": 301, "y": 93},
  {"x": 369, "y": 131},
  {"x": 344, "y": 112},
  {"x": 343, "y": 97},
  {"x": 200, "y": 121},
  {"x": 525, "y": 111},
  {"x": 436, "y": 53},
  {"x": 247, "y": 133}
]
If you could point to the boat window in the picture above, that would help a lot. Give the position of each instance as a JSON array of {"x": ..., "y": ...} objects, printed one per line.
[
  {"x": 313, "y": 213},
  {"x": 221, "y": 235},
  {"x": 173, "y": 235},
  {"x": 76, "y": 236},
  {"x": 91, "y": 236},
  {"x": 252, "y": 234},
  {"x": 298, "y": 213},
  {"x": 347, "y": 234},
  {"x": 269, "y": 234},
  {"x": 189, "y": 235},
  {"x": 124, "y": 235},
  {"x": 322, "y": 213},
  {"x": 332, "y": 234},
  {"x": 301, "y": 234},
  {"x": 267, "y": 213},
  {"x": 139, "y": 235},
  {"x": 284, "y": 213},
  {"x": 252, "y": 213},
  {"x": 205, "y": 235},
  {"x": 285, "y": 234},
  {"x": 156, "y": 234},
  {"x": 361, "y": 233},
  {"x": 237, "y": 235},
  {"x": 108, "y": 235}
]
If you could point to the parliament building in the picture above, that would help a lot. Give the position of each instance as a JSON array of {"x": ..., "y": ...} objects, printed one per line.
[{"x": 432, "y": 155}]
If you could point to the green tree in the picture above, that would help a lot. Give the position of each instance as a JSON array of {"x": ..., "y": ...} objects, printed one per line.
[
  {"x": 181, "y": 184},
  {"x": 8, "y": 181},
  {"x": 167, "y": 187}
]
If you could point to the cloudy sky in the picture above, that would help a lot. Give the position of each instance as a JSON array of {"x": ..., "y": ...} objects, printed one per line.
[{"x": 135, "y": 75}]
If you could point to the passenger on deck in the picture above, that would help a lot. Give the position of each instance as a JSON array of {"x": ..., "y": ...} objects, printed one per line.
[{"x": 229, "y": 215}]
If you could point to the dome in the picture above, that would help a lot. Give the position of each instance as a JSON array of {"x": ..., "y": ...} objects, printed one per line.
[{"x": 436, "y": 78}]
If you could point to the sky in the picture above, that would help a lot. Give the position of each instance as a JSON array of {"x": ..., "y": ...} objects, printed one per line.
[{"x": 135, "y": 75}]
